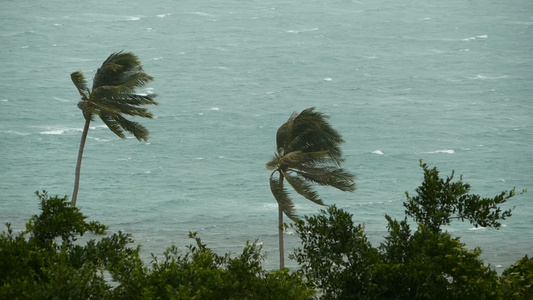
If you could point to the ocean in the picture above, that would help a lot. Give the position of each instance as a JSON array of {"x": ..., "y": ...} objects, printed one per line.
[{"x": 446, "y": 82}]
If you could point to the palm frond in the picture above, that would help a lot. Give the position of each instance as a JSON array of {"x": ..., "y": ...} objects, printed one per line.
[
  {"x": 303, "y": 188},
  {"x": 283, "y": 137},
  {"x": 87, "y": 109},
  {"x": 112, "y": 124},
  {"x": 135, "y": 78},
  {"x": 81, "y": 84},
  {"x": 138, "y": 130},
  {"x": 282, "y": 197},
  {"x": 310, "y": 132},
  {"x": 121, "y": 69},
  {"x": 328, "y": 176},
  {"x": 299, "y": 159},
  {"x": 274, "y": 163}
]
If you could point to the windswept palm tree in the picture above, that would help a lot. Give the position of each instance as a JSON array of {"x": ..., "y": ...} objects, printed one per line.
[
  {"x": 308, "y": 153},
  {"x": 112, "y": 96}
]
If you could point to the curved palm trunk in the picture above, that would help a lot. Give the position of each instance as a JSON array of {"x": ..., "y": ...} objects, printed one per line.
[{"x": 78, "y": 164}]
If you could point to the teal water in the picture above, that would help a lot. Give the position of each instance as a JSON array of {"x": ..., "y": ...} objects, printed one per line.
[{"x": 449, "y": 83}]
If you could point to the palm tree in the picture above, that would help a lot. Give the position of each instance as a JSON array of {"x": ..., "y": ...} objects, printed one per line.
[
  {"x": 308, "y": 153},
  {"x": 112, "y": 96}
]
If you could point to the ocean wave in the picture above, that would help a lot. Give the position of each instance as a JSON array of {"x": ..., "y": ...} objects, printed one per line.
[
  {"x": 476, "y": 228},
  {"x": 304, "y": 30},
  {"x": 58, "y": 131},
  {"x": 477, "y": 37},
  {"x": 450, "y": 151},
  {"x": 200, "y": 13},
  {"x": 14, "y": 132},
  {"x": 484, "y": 77},
  {"x": 133, "y": 18},
  {"x": 378, "y": 152}
]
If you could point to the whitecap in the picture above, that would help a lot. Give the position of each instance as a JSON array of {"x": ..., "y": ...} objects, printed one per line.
[
  {"x": 484, "y": 77},
  {"x": 304, "y": 30},
  {"x": 133, "y": 18},
  {"x": 377, "y": 152},
  {"x": 58, "y": 131},
  {"x": 442, "y": 151},
  {"x": 214, "y": 108},
  {"x": 328, "y": 79},
  {"x": 477, "y": 228},
  {"x": 484, "y": 36},
  {"x": 14, "y": 132},
  {"x": 100, "y": 139},
  {"x": 203, "y": 14},
  {"x": 162, "y": 15}
]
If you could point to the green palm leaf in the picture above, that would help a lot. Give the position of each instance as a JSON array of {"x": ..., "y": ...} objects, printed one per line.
[
  {"x": 282, "y": 197},
  {"x": 81, "y": 84},
  {"x": 303, "y": 188},
  {"x": 334, "y": 177}
]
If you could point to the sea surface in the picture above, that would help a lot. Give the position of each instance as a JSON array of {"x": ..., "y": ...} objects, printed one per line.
[{"x": 448, "y": 82}]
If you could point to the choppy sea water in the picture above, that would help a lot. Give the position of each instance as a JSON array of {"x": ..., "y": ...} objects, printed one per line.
[{"x": 449, "y": 83}]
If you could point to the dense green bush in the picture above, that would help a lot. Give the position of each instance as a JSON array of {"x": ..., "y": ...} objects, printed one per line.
[
  {"x": 517, "y": 280},
  {"x": 426, "y": 263},
  {"x": 47, "y": 262}
]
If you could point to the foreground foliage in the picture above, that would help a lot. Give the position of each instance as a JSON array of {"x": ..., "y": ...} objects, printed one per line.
[
  {"x": 52, "y": 259},
  {"x": 47, "y": 262},
  {"x": 425, "y": 263}
]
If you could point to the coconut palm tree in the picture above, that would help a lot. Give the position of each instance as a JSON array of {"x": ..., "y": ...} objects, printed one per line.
[
  {"x": 308, "y": 153},
  {"x": 112, "y": 96}
]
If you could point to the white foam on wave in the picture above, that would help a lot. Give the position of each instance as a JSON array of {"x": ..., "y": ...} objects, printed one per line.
[
  {"x": 61, "y": 99},
  {"x": 477, "y": 228},
  {"x": 450, "y": 151},
  {"x": 484, "y": 77},
  {"x": 214, "y": 108},
  {"x": 304, "y": 30},
  {"x": 481, "y": 37},
  {"x": 328, "y": 79},
  {"x": 133, "y": 18},
  {"x": 58, "y": 131},
  {"x": 14, "y": 132},
  {"x": 378, "y": 152},
  {"x": 201, "y": 13},
  {"x": 99, "y": 139}
]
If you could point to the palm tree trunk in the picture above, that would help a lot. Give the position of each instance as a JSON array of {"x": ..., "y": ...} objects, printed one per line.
[
  {"x": 280, "y": 230},
  {"x": 78, "y": 164},
  {"x": 281, "y": 246}
]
